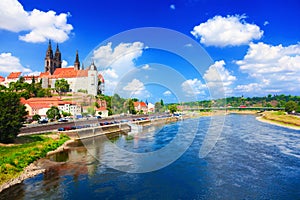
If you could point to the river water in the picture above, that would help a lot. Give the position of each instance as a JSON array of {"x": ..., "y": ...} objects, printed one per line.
[{"x": 251, "y": 160}]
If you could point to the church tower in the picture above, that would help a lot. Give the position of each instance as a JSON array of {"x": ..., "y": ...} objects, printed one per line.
[
  {"x": 77, "y": 63},
  {"x": 51, "y": 63},
  {"x": 57, "y": 59},
  {"x": 49, "y": 59}
]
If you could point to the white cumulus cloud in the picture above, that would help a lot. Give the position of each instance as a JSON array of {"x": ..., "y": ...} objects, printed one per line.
[
  {"x": 227, "y": 31},
  {"x": 219, "y": 79},
  {"x": 116, "y": 62},
  {"x": 10, "y": 63},
  {"x": 167, "y": 93},
  {"x": 274, "y": 68},
  {"x": 193, "y": 87},
  {"x": 40, "y": 26},
  {"x": 136, "y": 88}
]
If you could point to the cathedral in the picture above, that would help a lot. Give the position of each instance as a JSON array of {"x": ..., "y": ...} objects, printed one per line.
[
  {"x": 54, "y": 62},
  {"x": 88, "y": 80},
  {"x": 80, "y": 80}
]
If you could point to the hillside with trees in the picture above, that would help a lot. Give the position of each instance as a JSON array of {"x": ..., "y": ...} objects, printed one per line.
[{"x": 276, "y": 101}]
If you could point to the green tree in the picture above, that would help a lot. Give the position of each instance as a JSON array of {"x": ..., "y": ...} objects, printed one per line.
[
  {"x": 91, "y": 110},
  {"x": 65, "y": 114},
  {"x": 53, "y": 113},
  {"x": 129, "y": 106},
  {"x": 172, "y": 108},
  {"x": 290, "y": 106},
  {"x": 2, "y": 88},
  {"x": 269, "y": 105},
  {"x": 158, "y": 107},
  {"x": 36, "y": 117},
  {"x": 62, "y": 86},
  {"x": 135, "y": 99},
  {"x": 162, "y": 102},
  {"x": 12, "y": 115}
]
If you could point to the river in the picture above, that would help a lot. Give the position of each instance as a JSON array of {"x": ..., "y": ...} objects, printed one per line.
[{"x": 251, "y": 160}]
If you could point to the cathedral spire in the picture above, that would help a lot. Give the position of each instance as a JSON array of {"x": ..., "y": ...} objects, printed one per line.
[
  {"x": 49, "y": 59},
  {"x": 77, "y": 62},
  {"x": 49, "y": 45},
  {"x": 57, "y": 49}
]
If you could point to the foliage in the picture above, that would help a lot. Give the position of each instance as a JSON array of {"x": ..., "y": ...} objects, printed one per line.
[
  {"x": 269, "y": 100},
  {"x": 62, "y": 86},
  {"x": 135, "y": 99},
  {"x": 284, "y": 119},
  {"x": 65, "y": 114},
  {"x": 13, "y": 159},
  {"x": 12, "y": 116},
  {"x": 161, "y": 102},
  {"x": 91, "y": 110},
  {"x": 291, "y": 106},
  {"x": 27, "y": 90},
  {"x": 129, "y": 105},
  {"x": 36, "y": 117},
  {"x": 53, "y": 113},
  {"x": 172, "y": 108},
  {"x": 117, "y": 104},
  {"x": 158, "y": 107}
]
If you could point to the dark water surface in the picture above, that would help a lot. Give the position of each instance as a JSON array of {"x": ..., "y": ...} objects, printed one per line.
[{"x": 251, "y": 160}]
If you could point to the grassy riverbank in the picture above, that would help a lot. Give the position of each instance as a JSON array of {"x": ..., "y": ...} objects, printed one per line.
[
  {"x": 283, "y": 119},
  {"x": 14, "y": 158}
]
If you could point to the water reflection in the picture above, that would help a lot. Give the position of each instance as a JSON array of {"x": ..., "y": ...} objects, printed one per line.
[{"x": 244, "y": 164}]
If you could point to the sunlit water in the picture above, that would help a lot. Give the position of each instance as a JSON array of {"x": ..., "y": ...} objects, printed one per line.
[{"x": 251, "y": 160}]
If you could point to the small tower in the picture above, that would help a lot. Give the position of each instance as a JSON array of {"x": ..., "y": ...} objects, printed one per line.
[
  {"x": 77, "y": 63},
  {"x": 49, "y": 59},
  {"x": 57, "y": 59}
]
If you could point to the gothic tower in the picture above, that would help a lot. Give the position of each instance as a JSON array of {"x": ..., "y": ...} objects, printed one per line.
[
  {"x": 49, "y": 59},
  {"x": 57, "y": 59},
  {"x": 51, "y": 63},
  {"x": 77, "y": 63}
]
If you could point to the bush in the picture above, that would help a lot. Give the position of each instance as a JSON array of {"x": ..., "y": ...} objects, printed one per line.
[{"x": 291, "y": 106}]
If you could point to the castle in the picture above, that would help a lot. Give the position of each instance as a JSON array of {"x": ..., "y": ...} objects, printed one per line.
[{"x": 79, "y": 79}]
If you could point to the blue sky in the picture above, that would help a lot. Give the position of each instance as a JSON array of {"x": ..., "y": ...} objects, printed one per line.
[{"x": 253, "y": 45}]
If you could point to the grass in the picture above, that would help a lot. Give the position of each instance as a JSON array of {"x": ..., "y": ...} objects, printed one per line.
[
  {"x": 282, "y": 118},
  {"x": 13, "y": 159}
]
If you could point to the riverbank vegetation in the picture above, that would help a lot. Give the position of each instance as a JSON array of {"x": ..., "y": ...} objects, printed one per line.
[
  {"x": 282, "y": 118},
  {"x": 276, "y": 101},
  {"x": 27, "y": 149}
]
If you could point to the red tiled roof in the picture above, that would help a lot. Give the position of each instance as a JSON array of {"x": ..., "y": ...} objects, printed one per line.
[
  {"x": 36, "y": 105},
  {"x": 44, "y": 74},
  {"x": 44, "y": 102},
  {"x": 14, "y": 75},
  {"x": 30, "y": 77},
  {"x": 141, "y": 104},
  {"x": 2, "y": 79},
  {"x": 23, "y": 100},
  {"x": 69, "y": 73},
  {"x": 101, "y": 109},
  {"x": 100, "y": 77}
]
